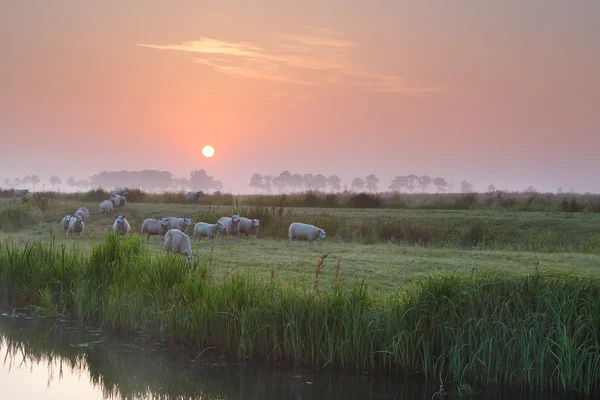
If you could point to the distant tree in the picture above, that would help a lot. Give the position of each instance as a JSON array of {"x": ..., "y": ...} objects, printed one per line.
[
  {"x": 358, "y": 184},
  {"x": 398, "y": 183},
  {"x": 279, "y": 183},
  {"x": 71, "y": 182},
  {"x": 180, "y": 183},
  {"x": 560, "y": 190},
  {"x": 491, "y": 188},
  {"x": 296, "y": 182},
  {"x": 440, "y": 184},
  {"x": 319, "y": 182},
  {"x": 256, "y": 182},
  {"x": 34, "y": 180},
  {"x": 423, "y": 182},
  {"x": 267, "y": 182},
  {"x": 16, "y": 182},
  {"x": 308, "y": 181},
  {"x": 412, "y": 182},
  {"x": 285, "y": 179},
  {"x": 334, "y": 182},
  {"x": 7, "y": 182},
  {"x": 201, "y": 180},
  {"x": 218, "y": 185},
  {"x": 372, "y": 181},
  {"x": 26, "y": 180},
  {"x": 531, "y": 189},
  {"x": 466, "y": 187},
  {"x": 54, "y": 180},
  {"x": 451, "y": 187}
]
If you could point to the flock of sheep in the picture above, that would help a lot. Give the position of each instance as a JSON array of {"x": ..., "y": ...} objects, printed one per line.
[{"x": 172, "y": 229}]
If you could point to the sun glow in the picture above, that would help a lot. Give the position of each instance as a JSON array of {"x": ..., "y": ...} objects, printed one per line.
[{"x": 208, "y": 151}]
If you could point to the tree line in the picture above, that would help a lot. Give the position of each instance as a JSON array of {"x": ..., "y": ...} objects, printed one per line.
[
  {"x": 297, "y": 182},
  {"x": 148, "y": 180}
]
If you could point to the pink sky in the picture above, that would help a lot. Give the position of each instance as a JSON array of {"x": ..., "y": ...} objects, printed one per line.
[{"x": 504, "y": 93}]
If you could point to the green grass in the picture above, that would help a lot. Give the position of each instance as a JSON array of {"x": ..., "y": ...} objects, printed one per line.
[{"x": 537, "y": 331}]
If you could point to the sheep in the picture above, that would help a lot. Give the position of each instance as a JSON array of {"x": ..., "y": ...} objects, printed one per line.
[
  {"x": 76, "y": 225},
  {"x": 192, "y": 197},
  {"x": 120, "y": 192},
  {"x": 65, "y": 222},
  {"x": 180, "y": 223},
  {"x": 20, "y": 192},
  {"x": 231, "y": 224},
  {"x": 83, "y": 213},
  {"x": 155, "y": 227},
  {"x": 178, "y": 242},
  {"x": 249, "y": 226},
  {"x": 121, "y": 225},
  {"x": 106, "y": 207},
  {"x": 210, "y": 231},
  {"x": 116, "y": 200},
  {"x": 308, "y": 232}
]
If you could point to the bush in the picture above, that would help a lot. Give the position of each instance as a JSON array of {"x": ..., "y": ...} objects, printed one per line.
[{"x": 365, "y": 200}]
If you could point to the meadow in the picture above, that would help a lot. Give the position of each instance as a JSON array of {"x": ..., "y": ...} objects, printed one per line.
[{"x": 473, "y": 297}]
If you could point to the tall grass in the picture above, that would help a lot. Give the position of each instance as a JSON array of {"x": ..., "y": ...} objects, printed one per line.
[
  {"x": 515, "y": 201},
  {"x": 536, "y": 332}
]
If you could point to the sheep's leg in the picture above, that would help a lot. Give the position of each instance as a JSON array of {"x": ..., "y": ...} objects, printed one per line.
[{"x": 314, "y": 242}]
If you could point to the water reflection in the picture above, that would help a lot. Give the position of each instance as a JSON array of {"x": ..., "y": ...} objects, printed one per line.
[{"x": 56, "y": 361}]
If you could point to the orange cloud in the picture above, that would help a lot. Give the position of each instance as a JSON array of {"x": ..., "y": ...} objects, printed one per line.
[{"x": 290, "y": 61}]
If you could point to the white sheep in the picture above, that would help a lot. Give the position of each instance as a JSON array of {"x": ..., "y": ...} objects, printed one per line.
[
  {"x": 83, "y": 213},
  {"x": 65, "y": 222},
  {"x": 178, "y": 242},
  {"x": 210, "y": 231},
  {"x": 155, "y": 227},
  {"x": 192, "y": 197},
  {"x": 249, "y": 226},
  {"x": 308, "y": 232},
  {"x": 76, "y": 225},
  {"x": 121, "y": 225},
  {"x": 120, "y": 192},
  {"x": 106, "y": 207},
  {"x": 231, "y": 224},
  {"x": 20, "y": 192},
  {"x": 180, "y": 223},
  {"x": 117, "y": 200}
]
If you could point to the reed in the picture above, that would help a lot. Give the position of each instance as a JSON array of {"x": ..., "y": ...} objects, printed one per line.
[{"x": 538, "y": 332}]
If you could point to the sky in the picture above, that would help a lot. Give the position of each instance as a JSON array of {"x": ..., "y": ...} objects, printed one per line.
[{"x": 504, "y": 93}]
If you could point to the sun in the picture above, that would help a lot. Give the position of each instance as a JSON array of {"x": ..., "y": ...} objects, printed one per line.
[{"x": 208, "y": 151}]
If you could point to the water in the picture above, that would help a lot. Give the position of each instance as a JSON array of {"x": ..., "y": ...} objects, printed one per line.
[{"x": 53, "y": 360}]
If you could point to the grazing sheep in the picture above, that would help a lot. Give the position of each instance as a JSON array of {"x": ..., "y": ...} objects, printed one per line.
[
  {"x": 249, "y": 226},
  {"x": 308, "y": 232},
  {"x": 192, "y": 197},
  {"x": 178, "y": 242},
  {"x": 231, "y": 224},
  {"x": 83, "y": 213},
  {"x": 65, "y": 222},
  {"x": 210, "y": 231},
  {"x": 116, "y": 200},
  {"x": 155, "y": 227},
  {"x": 121, "y": 225},
  {"x": 120, "y": 192},
  {"x": 180, "y": 223},
  {"x": 76, "y": 225},
  {"x": 106, "y": 207},
  {"x": 20, "y": 192}
]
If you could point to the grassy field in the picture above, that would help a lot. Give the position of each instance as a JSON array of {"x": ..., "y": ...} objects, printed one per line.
[
  {"x": 432, "y": 292},
  {"x": 488, "y": 240}
]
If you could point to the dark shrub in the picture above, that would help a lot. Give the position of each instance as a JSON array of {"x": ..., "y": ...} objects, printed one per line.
[{"x": 365, "y": 200}]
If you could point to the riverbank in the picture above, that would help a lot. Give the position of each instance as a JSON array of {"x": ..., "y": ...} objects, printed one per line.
[{"x": 539, "y": 331}]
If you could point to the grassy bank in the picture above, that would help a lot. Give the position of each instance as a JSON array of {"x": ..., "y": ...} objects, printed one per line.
[
  {"x": 498, "y": 200},
  {"x": 537, "y": 331}
]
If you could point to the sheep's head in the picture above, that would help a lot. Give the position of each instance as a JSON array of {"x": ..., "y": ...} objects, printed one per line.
[
  {"x": 235, "y": 219},
  {"x": 188, "y": 221},
  {"x": 120, "y": 219},
  {"x": 200, "y": 193},
  {"x": 255, "y": 223},
  {"x": 189, "y": 257},
  {"x": 67, "y": 217},
  {"x": 165, "y": 223},
  {"x": 322, "y": 233},
  {"x": 221, "y": 227}
]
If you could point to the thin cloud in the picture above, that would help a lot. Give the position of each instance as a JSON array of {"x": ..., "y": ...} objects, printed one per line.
[{"x": 324, "y": 52}]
